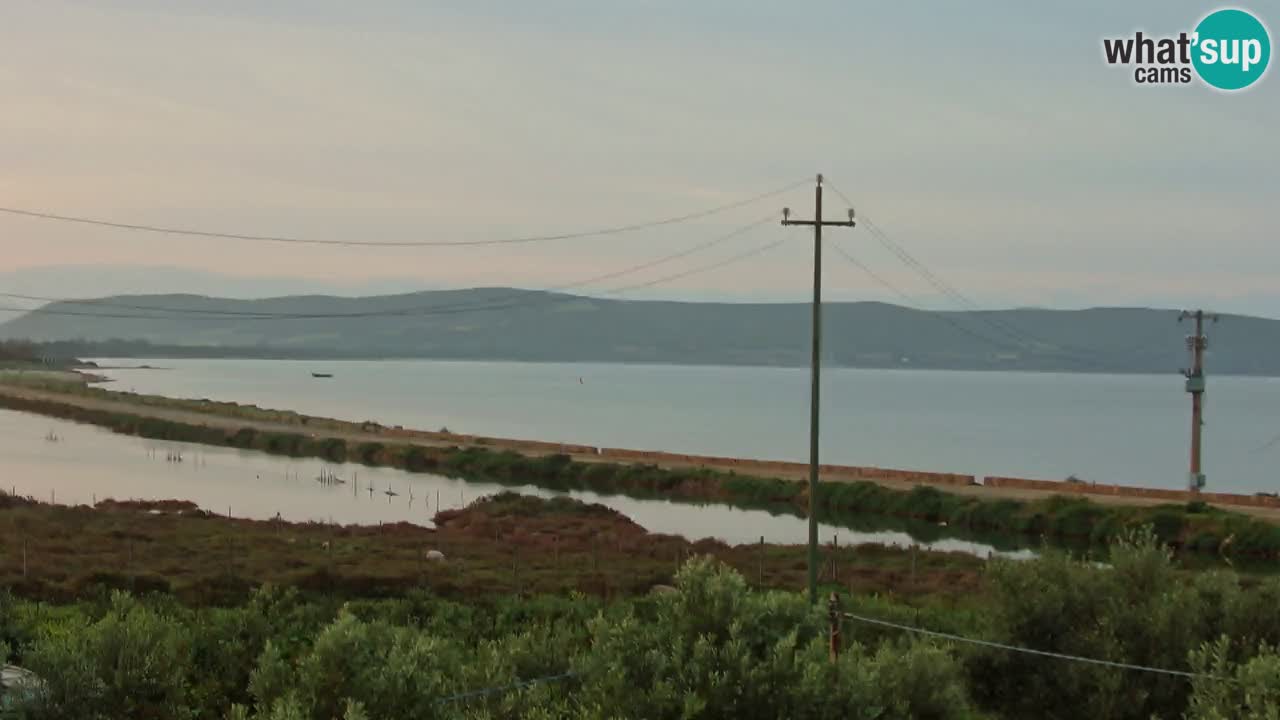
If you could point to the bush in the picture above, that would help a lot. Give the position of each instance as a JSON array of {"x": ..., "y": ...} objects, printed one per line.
[
  {"x": 1229, "y": 689},
  {"x": 334, "y": 449},
  {"x": 370, "y": 453},
  {"x": 128, "y": 664}
]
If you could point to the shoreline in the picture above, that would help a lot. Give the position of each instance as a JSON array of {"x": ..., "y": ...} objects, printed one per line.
[
  {"x": 1158, "y": 373},
  {"x": 992, "y": 487},
  {"x": 1030, "y": 513}
]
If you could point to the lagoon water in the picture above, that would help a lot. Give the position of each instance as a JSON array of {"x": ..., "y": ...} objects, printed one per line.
[
  {"x": 1127, "y": 429},
  {"x": 67, "y": 463}
]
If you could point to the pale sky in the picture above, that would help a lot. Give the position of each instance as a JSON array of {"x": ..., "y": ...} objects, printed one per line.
[{"x": 988, "y": 138}]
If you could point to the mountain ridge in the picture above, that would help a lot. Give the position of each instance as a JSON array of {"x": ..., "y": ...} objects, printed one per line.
[{"x": 497, "y": 323}]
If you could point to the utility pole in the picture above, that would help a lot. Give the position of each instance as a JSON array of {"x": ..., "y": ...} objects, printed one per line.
[
  {"x": 1196, "y": 344},
  {"x": 818, "y": 223}
]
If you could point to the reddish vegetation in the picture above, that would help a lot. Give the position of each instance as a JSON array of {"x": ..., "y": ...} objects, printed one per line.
[
  {"x": 498, "y": 545},
  {"x": 181, "y": 507}
]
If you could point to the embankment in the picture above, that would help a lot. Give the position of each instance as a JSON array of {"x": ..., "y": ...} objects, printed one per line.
[
  {"x": 209, "y": 412},
  {"x": 1105, "y": 490},
  {"x": 1195, "y": 526}
]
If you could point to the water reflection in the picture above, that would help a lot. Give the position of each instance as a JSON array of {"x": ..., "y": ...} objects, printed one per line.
[{"x": 86, "y": 463}]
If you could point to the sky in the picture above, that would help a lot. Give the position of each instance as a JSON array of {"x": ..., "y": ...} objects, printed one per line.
[{"x": 988, "y": 139}]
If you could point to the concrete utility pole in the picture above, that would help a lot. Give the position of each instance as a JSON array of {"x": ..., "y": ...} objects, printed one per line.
[
  {"x": 818, "y": 223},
  {"x": 1196, "y": 344}
]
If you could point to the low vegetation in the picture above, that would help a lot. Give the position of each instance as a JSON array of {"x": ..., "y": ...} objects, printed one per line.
[
  {"x": 505, "y": 544},
  {"x": 708, "y": 647}
]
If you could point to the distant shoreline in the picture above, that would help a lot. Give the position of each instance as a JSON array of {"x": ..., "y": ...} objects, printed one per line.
[
  {"x": 656, "y": 363},
  {"x": 535, "y": 326}
]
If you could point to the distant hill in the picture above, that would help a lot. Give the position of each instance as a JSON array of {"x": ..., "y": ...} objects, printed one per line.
[{"x": 507, "y": 324}]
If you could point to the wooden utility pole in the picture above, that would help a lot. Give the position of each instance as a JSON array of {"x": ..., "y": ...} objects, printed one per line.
[
  {"x": 816, "y": 359},
  {"x": 1196, "y": 344}
]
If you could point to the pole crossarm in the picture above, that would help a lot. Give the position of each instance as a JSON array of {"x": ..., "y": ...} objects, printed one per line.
[{"x": 824, "y": 223}]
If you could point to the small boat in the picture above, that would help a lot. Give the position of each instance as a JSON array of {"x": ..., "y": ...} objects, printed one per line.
[{"x": 321, "y": 375}]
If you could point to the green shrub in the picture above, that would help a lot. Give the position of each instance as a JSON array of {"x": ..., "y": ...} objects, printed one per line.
[
  {"x": 128, "y": 664},
  {"x": 370, "y": 453}
]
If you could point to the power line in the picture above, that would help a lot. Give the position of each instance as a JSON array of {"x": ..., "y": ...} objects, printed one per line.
[
  {"x": 189, "y": 232},
  {"x": 1029, "y": 651},
  {"x": 416, "y": 311},
  {"x": 704, "y": 268},
  {"x": 504, "y": 688},
  {"x": 928, "y": 275},
  {"x": 1267, "y": 445},
  {"x": 908, "y": 299},
  {"x": 408, "y": 310},
  {"x": 1026, "y": 341}
]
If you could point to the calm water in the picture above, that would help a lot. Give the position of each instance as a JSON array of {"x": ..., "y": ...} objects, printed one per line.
[
  {"x": 88, "y": 463},
  {"x": 1103, "y": 428}
]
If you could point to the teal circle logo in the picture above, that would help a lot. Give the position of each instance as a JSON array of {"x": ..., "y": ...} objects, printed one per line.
[{"x": 1232, "y": 49}]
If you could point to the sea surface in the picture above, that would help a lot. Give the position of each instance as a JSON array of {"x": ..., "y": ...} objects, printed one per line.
[{"x": 1126, "y": 429}]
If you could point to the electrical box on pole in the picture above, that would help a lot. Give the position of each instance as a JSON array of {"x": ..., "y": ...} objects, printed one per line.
[{"x": 1196, "y": 345}]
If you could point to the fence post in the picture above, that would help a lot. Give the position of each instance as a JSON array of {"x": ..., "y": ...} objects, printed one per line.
[
  {"x": 760, "y": 569},
  {"x": 913, "y": 564},
  {"x": 833, "y": 621}
]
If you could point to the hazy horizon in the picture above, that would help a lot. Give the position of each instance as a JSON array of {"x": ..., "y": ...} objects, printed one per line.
[
  {"x": 87, "y": 282},
  {"x": 996, "y": 146}
]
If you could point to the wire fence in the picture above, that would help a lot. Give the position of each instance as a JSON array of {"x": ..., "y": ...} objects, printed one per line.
[
  {"x": 518, "y": 685},
  {"x": 1027, "y": 651}
]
